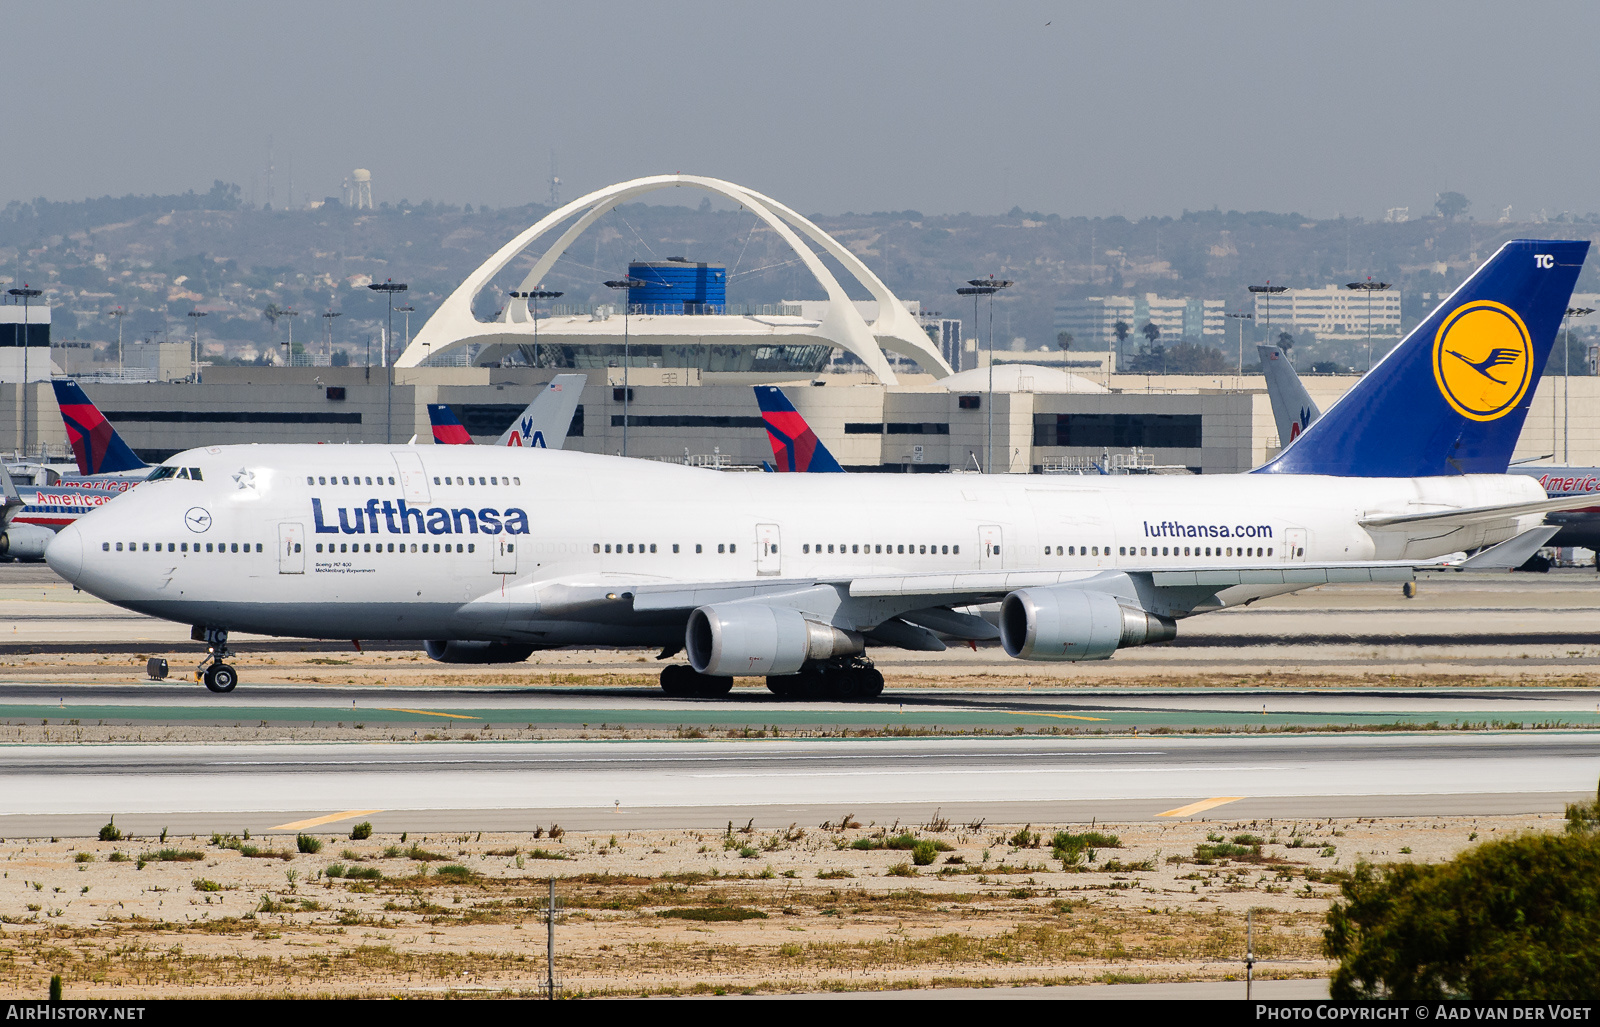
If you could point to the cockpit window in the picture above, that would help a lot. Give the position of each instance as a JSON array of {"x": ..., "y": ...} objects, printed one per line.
[{"x": 191, "y": 473}]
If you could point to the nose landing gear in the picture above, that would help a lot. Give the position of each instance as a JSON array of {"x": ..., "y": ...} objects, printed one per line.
[{"x": 215, "y": 674}]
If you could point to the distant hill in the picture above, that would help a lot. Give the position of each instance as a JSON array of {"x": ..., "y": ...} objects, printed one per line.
[{"x": 162, "y": 256}]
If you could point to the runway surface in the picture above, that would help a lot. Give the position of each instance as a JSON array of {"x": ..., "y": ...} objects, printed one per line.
[
  {"x": 1105, "y": 709},
  {"x": 71, "y": 790}
]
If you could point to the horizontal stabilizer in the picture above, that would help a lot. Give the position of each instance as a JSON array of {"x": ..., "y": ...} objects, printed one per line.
[
  {"x": 1513, "y": 552},
  {"x": 1477, "y": 514}
]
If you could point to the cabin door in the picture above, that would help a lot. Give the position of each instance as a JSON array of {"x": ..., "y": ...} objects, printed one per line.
[
  {"x": 505, "y": 555},
  {"x": 768, "y": 550},
  {"x": 291, "y": 548}
]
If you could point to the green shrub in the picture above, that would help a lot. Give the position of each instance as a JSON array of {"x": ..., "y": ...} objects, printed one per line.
[
  {"x": 173, "y": 856},
  {"x": 1512, "y": 919},
  {"x": 117, "y": 857},
  {"x": 902, "y": 870},
  {"x": 545, "y": 854},
  {"x": 202, "y": 884},
  {"x": 456, "y": 872},
  {"x": 713, "y": 914},
  {"x": 307, "y": 844},
  {"x": 83, "y": 857},
  {"x": 361, "y": 832},
  {"x": 111, "y": 832},
  {"x": 1207, "y": 853},
  {"x": 746, "y": 852},
  {"x": 335, "y": 870},
  {"x": 1068, "y": 847},
  {"x": 364, "y": 874},
  {"x": 1025, "y": 839},
  {"x": 924, "y": 853},
  {"x": 422, "y": 855}
]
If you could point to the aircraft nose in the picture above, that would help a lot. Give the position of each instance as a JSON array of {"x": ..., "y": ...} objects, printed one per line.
[{"x": 64, "y": 554}]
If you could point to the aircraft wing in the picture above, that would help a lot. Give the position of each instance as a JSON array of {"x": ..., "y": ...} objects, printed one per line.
[
  {"x": 546, "y": 420},
  {"x": 13, "y": 501}
]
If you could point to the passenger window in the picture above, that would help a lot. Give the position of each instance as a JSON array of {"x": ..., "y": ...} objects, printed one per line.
[
  {"x": 733, "y": 547},
  {"x": 259, "y": 549},
  {"x": 147, "y": 547},
  {"x": 235, "y": 547},
  {"x": 955, "y": 550},
  {"x": 697, "y": 547},
  {"x": 322, "y": 480},
  {"x": 185, "y": 548},
  {"x": 1096, "y": 550},
  {"x": 510, "y": 548},
  {"x": 297, "y": 547},
  {"x": 674, "y": 547},
  {"x": 494, "y": 481},
  {"x": 319, "y": 547},
  {"x": 436, "y": 479},
  {"x": 830, "y": 548},
  {"x": 720, "y": 547},
  {"x": 309, "y": 480},
  {"x": 517, "y": 480},
  {"x": 1269, "y": 550},
  {"x": 597, "y": 547},
  {"x": 119, "y": 547},
  {"x": 652, "y": 547},
  {"x": 472, "y": 547}
]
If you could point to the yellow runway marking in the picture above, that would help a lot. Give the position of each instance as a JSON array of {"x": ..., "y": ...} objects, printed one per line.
[
  {"x": 1061, "y": 716},
  {"x": 427, "y": 713},
  {"x": 1201, "y": 806},
  {"x": 301, "y": 825}
]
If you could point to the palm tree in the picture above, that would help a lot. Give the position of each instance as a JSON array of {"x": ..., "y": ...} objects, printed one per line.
[
  {"x": 1151, "y": 331},
  {"x": 1064, "y": 340},
  {"x": 1120, "y": 330}
]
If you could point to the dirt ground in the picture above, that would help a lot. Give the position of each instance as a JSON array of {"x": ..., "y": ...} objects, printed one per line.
[{"x": 756, "y": 908}]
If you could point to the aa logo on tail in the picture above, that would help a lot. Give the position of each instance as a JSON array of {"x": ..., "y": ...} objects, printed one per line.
[{"x": 1483, "y": 360}]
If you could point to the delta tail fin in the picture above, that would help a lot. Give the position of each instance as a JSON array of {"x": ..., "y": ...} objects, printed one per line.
[
  {"x": 1452, "y": 397},
  {"x": 795, "y": 447},
  {"x": 447, "y": 428},
  {"x": 548, "y": 419},
  {"x": 96, "y": 444},
  {"x": 1292, "y": 408}
]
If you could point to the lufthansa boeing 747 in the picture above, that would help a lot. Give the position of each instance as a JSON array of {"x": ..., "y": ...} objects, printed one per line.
[{"x": 796, "y": 577}]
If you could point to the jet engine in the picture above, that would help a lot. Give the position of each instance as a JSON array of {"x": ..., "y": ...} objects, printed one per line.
[
  {"x": 455, "y": 651},
  {"x": 24, "y": 542},
  {"x": 1071, "y": 624},
  {"x": 739, "y": 639}
]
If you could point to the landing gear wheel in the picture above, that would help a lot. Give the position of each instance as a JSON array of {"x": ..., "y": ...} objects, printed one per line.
[
  {"x": 871, "y": 683},
  {"x": 785, "y": 686},
  {"x": 220, "y": 677},
  {"x": 844, "y": 684},
  {"x": 714, "y": 687},
  {"x": 677, "y": 680}
]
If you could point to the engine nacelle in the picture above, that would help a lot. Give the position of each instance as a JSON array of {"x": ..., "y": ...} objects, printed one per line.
[
  {"x": 1072, "y": 624},
  {"x": 748, "y": 639},
  {"x": 455, "y": 651},
  {"x": 24, "y": 542}
]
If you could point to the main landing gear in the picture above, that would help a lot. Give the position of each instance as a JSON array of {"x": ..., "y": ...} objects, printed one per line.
[
  {"x": 212, "y": 671},
  {"x": 843, "y": 678},
  {"x": 683, "y": 681}
]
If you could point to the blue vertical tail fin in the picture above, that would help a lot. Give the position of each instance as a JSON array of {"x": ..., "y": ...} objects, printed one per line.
[{"x": 1452, "y": 397}]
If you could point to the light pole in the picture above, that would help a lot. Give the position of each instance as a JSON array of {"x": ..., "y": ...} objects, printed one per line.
[
  {"x": 197, "y": 315},
  {"x": 1369, "y": 287},
  {"x": 26, "y": 294},
  {"x": 1269, "y": 290},
  {"x": 119, "y": 314},
  {"x": 1572, "y": 312},
  {"x": 536, "y": 295},
  {"x": 388, "y": 287},
  {"x": 975, "y": 288},
  {"x": 1241, "y": 318},
  {"x": 627, "y": 353},
  {"x": 288, "y": 353},
  {"x": 327, "y": 331}
]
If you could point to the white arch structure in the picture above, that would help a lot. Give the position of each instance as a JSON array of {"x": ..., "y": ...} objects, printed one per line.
[{"x": 895, "y": 329}]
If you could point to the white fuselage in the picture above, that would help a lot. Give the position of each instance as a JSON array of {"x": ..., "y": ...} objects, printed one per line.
[{"x": 466, "y": 542}]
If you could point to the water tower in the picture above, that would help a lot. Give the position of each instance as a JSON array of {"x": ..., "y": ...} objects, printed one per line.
[{"x": 361, "y": 189}]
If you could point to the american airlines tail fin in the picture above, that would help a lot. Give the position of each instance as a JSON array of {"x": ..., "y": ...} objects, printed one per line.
[
  {"x": 1291, "y": 404},
  {"x": 549, "y": 417},
  {"x": 96, "y": 444},
  {"x": 795, "y": 447},
  {"x": 1452, "y": 397}
]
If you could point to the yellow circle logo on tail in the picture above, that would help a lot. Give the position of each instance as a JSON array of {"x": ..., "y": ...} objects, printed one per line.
[{"x": 1483, "y": 360}]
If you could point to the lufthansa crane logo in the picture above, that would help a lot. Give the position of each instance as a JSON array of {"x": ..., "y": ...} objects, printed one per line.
[
  {"x": 198, "y": 519},
  {"x": 1483, "y": 360}
]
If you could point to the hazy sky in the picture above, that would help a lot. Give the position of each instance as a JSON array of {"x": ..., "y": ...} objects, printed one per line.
[{"x": 1072, "y": 108}]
